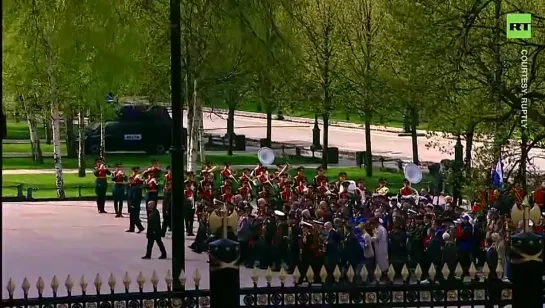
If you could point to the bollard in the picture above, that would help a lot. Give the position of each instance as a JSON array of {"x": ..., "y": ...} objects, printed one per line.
[
  {"x": 29, "y": 193},
  {"x": 20, "y": 191},
  {"x": 527, "y": 270},
  {"x": 224, "y": 274},
  {"x": 79, "y": 191}
]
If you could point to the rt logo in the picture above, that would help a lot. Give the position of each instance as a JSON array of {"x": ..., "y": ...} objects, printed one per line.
[{"x": 519, "y": 26}]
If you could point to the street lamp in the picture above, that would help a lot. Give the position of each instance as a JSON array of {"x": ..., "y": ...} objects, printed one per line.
[
  {"x": 176, "y": 151},
  {"x": 316, "y": 135}
]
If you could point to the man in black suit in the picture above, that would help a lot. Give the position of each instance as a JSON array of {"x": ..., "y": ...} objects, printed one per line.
[
  {"x": 154, "y": 232},
  {"x": 491, "y": 258}
]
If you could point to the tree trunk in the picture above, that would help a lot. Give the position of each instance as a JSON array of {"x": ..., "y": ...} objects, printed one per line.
[
  {"x": 37, "y": 155},
  {"x": 269, "y": 126},
  {"x": 368, "y": 149},
  {"x": 57, "y": 154},
  {"x": 71, "y": 151},
  {"x": 325, "y": 157},
  {"x": 194, "y": 132},
  {"x": 414, "y": 136},
  {"x": 231, "y": 128},
  {"x": 523, "y": 157},
  {"x": 102, "y": 136},
  {"x": 200, "y": 129},
  {"x": 81, "y": 145},
  {"x": 47, "y": 131}
]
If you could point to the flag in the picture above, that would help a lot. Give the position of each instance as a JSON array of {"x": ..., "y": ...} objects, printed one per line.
[{"x": 497, "y": 175}]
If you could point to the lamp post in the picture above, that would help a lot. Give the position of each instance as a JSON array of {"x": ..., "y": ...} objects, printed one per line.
[
  {"x": 458, "y": 161},
  {"x": 176, "y": 151},
  {"x": 316, "y": 135}
]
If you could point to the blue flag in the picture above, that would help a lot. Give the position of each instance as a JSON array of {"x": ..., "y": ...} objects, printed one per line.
[{"x": 497, "y": 175}]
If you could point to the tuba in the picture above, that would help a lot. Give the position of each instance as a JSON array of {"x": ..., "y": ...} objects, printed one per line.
[
  {"x": 266, "y": 156},
  {"x": 412, "y": 173}
]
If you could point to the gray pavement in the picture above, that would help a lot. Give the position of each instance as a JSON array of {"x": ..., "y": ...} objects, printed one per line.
[{"x": 47, "y": 239}]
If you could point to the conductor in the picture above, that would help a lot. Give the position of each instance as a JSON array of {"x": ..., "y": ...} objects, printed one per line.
[{"x": 154, "y": 232}]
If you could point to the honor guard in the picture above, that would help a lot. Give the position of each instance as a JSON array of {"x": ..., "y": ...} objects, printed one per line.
[
  {"x": 300, "y": 177},
  {"x": 118, "y": 193},
  {"x": 206, "y": 191},
  {"x": 322, "y": 190},
  {"x": 258, "y": 171},
  {"x": 134, "y": 200},
  {"x": 282, "y": 181},
  {"x": 101, "y": 172},
  {"x": 167, "y": 202},
  {"x": 286, "y": 196},
  {"x": 301, "y": 188},
  {"x": 154, "y": 170},
  {"x": 245, "y": 176},
  {"x": 227, "y": 194},
  {"x": 320, "y": 177},
  {"x": 152, "y": 187},
  {"x": 265, "y": 191},
  {"x": 189, "y": 200},
  {"x": 228, "y": 184}
]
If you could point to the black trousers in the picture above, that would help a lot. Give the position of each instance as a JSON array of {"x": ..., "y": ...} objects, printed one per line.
[
  {"x": 166, "y": 213},
  {"x": 118, "y": 195},
  {"x": 134, "y": 218},
  {"x": 189, "y": 218},
  {"x": 100, "y": 190},
  {"x": 152, "y": 196},
  {"x": 151, "y": 241}
]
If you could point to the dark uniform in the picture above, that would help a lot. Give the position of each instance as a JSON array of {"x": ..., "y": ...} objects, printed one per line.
[
  {"x": 154, "y": 234},
  {"x": 279, "y": 245},
  {"x": 135, "y": 200},
  {"x": 189, "y": 202},
  {"x": 332, "y": 251},
  {"x": 101, "y": 184},
  {"x": 167, "y": 203},
  {"x": 118, "y": 191}
]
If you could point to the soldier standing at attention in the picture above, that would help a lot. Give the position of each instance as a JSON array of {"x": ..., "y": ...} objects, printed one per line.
[
  {"x": 118, "y": 192},
  {"x": 154, "y": 231},
  {"x": 101, "y": 171},
  {"x": 167, "y": 204},
  {"x": 134, "y": 200}
]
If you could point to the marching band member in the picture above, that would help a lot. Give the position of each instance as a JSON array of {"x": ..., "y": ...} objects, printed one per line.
[
  {"x": 118, "y": 193},
  {"x": 227, "y": 194},
  {"x": 340, "y": 180},
  {"x": 189, "y": 194},
  {"x": 227, "y": 172},
  {"x": 300, "y": 177},
  {"x": 101, "y": 171},
  {"x": 286, "y": 196},
  {"x": 518, "y": 192},
  {"x": 190, "y": 179},
  {"x": 258, "y": 170},
  {"x": 135, "y": 200},
  {"x": 407, "y": 190},
  {"x": 207, "y": 168},
  {"x": 245, "y": 176},
  {"x": 152, "y": 187},
  {"x": 167, "y": 202},
  {"x": 539, "y": 195},
  {"x": 323, "y": 190},
  {"x": 320, "y": 177},
  {"x": 245, "y": 190},
  {"x": 382, "y": 189},
  {"x": 154, "y": 170},
  {"x": 360, "y": 190}
]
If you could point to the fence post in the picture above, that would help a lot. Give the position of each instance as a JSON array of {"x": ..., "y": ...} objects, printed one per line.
[
  {"x": 527, "y": 270},
  {"x": 20, "y": 191},
  {"x": 224, "y": 274},
  {"x": 79, "y": 191}
]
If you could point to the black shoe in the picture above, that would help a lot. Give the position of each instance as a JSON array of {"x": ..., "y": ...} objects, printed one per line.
[
  {"x": 131, "y": 231},
  {"x": 102, "y": 212},
  {"x": 146, "y": 258},
  {"x": 139, "y": 231},
  {"x": 162, "y": 257},
  {"x": 190, "y": 234}
]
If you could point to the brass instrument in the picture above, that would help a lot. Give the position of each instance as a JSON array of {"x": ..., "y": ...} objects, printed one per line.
[
  {"x": 119, "y": 173},
  {"x": 383, "y": 191},
  {"x": 527, "y": 214}
]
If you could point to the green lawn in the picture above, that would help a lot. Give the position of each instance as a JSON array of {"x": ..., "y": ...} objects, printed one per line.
[
  {"x": 76, "y": 186},
  {"x": 143, "y": 160},
  {"x": 25, "y": 148},
  {"x": 19, "y": 130}
]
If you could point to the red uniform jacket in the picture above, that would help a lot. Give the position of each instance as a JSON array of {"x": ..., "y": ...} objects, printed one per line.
[
  {"x": 406, "y": 191},
  {"x": 226, "y": 173},
  {"x": 168, "y": 182},
  {"x": 322, "y": 190},
  {"x": 299, "y": 179},
  {"x": 286, "y": 196},
  {"x": 102, "y": 172},
  {"x": 492, "y": 196},
  {"x": 264, "y": 195},
  {"x": 301, "y": 188},
  {"x": 152, "y": 185},
  {"x": 539, "y": 197},
  {"x": 226, "y": 197},
  {"x": 519, "y": 194},
  {"x": 118, "y": 178},
  {"x": 244, "y": 191},
  {"x": 135, "y": 181},
  {"x": 319, "y": 179},
  {"x": 206, "y": 195},
  {"x": 188, "y": 193}
]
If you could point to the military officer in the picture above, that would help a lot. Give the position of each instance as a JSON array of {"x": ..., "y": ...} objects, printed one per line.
[
  {"x": 135, "y": 200},
  {"x": 118, "y": 192},
  {"x": 167, "y": 203},
  {"x": 189, "y": 202},
  {"x": 101, "y": 171}
]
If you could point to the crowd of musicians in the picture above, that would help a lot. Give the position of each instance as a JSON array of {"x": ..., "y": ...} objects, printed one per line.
[{"x": 293, "y": 221}]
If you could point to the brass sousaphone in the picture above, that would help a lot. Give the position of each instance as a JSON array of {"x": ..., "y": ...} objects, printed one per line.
[{"x": 216, "y": 222}]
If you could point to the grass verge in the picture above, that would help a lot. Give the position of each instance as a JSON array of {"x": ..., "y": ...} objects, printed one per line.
[{"x": 78, "y": 187}]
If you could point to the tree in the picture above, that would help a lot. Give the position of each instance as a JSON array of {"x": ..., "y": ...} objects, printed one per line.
[
  {"x": 362, "y": 59},
  {"x": 318, "y": 34}
]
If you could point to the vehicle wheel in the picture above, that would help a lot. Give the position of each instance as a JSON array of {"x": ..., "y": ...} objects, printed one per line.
[{"x": 94, "y": 149}]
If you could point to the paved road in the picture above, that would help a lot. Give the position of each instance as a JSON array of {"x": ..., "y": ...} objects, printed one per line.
[{"x": 384, "y": 143}]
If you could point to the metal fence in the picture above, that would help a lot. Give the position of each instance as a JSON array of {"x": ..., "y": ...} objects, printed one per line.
[{"x": 443, "y": 288}]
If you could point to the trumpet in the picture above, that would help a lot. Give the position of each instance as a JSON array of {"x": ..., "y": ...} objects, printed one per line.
[{"x": 119, "y": 173}]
